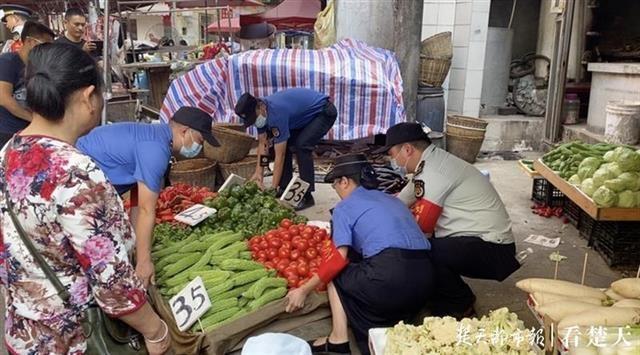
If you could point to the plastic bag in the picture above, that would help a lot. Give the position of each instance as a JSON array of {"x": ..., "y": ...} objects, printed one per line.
[
  {"x": 276, "y": 344},
  {"x": 325, "y": 28}
]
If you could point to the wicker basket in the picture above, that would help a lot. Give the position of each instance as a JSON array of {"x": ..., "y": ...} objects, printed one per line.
[
  {"x": 244, "y": 168},
  {"x": 462, "y": 131},
  {"x": 195, "y": 172},
  {"x": 466, "y": 121},
  {"x": 234, "y": 145},
  {"x": 438, "y": 46},
  {"x": 433, "y": 71},
  {"x": 238, "y": 127},
  {"x": 465, "y": 148}
]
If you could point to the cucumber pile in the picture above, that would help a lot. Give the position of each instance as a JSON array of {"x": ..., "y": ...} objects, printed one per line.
[{"x": 566, "y": 158}]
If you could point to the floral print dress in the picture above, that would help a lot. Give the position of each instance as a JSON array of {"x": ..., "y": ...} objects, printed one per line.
[{"x": 76, "y": 220}]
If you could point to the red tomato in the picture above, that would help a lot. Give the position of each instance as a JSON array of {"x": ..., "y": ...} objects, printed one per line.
[
  {"x": 322, "y": 232},
  {"x": 262, "y": 254},
  {"x": 302, "y": 282},
  {"x": 290, "y": 272},
  {"x": 319, "y": 247},
  {"x": 293, "y": 282},
  {"x": 303, "y": 269},
  {"x": 276, "y": 260},
  {"x": 275, "y": 243},
  {"x": 311, "y": 254},
  {"x": 282, "y": 265},
  {"x": 261, "y": 260},
  {"x": 295, "y": 254},
  {"x": 308, "y": 229},
  {"x": 270, "y": 233},
  {"x": 313, "y": 270},
  {"x": 316, "y": 238},
  {"x": 295, "y": 239},
  {"x": 269, "y": 265},
  {"x": 286, "y": 223},
  {"x": 314, "y": 263},
  {"x": 293, "y": 264},
  {"x": 303, "y": 245},
  {"x": 272, "y": 253},
  {"x": 285, "y": 236},
  {"x": 286, "y": 244},
  {"x": 294, "y": 230},
  {"x": 306, "y": 236},
  {"x": 264, "y": 245},
  {"x": 283, "y": 252}
]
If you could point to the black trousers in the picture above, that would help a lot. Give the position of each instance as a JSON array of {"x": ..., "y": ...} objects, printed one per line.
[
  {"x": 302, "y": 142},
  {"x": 384, "y": 289},
  {"x": 472, "y": 257},
  {"x": 4, "y": 138}
]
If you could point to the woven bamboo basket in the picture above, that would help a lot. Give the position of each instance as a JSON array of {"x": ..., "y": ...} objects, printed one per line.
[
  {"x": 244, "y": 168},
  {"x": 238, "y": 127},
  {"x": 234, "y": 145},
  {"x": 466, "y": 121},
  {"x": 465, "y": 148},
  {"x": 433, "y": 71},
  {"x": 437, "y": 46},
  {"x": 465, "y": 131},
  {"x": 195, "y": 172}
]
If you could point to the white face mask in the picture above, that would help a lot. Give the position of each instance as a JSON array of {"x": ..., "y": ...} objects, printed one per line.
[
  {"x": 401, "y": 170},
  {"x": 261, "y": 121},
  {"x": 193, "y": 150}
]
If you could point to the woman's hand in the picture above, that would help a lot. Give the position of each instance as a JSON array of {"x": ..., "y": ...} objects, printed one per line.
[
  {"x": 146, "y": 272},
  {"x": 295, "y": 299},
  {"x": 159, "y": 342},
  {"x": 259, "y": 179}
]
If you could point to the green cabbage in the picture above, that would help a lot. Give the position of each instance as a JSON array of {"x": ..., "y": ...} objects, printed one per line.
[
  {"x": 628, "y": 160},
  {"x": 631, "y": 181},
  {"x": 601, "y": 175},
  {"x": 587, "y": 167},
  {"x": 610, "y": 156},
  {"x": 637, "y": 199},
  {"x": 627, "y": 199},
  {"x": 575, "y": 180},
  {"x": 588, "y": 187},
  {"x": 615, "y": 185},
  {"x": 604, "y": 197}
]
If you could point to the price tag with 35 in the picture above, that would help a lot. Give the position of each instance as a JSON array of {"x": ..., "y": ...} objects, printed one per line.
[
  {"x": 231, "y": 181},
  {"x": 195, "y": 214},
  {"x": 295, "y": 191},
  {"x": 190, "y": 304}
]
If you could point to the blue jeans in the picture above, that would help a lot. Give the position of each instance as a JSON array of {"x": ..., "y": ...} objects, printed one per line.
[{"x": 302, "y": 142}]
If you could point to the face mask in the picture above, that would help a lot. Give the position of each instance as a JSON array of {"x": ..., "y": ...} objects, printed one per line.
[
  {"x": 261, "y": 121},
  {"x": 191, "y": 151},
  {"x": 400, "y": 170}
]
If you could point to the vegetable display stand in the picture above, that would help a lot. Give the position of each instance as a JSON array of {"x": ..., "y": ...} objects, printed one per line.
[
  {"x": 572, "y": 212},
  {"x": 545, "y": 193},
  {"x": 618, "y": 242},
  {"x": 527, "y": 170},
  {"x": 194, "y": 172},
  {"x": 584, "y": 201}
]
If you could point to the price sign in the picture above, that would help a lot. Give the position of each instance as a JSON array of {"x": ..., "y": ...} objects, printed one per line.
[
  {"x": 231, "y": 181},
  {"x": 295, "y": 191},
  {"x": 195, "y": 214},
  {"x": 190, "y": 304}
]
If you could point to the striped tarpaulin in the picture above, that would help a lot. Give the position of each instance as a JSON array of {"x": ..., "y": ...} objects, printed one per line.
[{"x": 363, "y": 82}]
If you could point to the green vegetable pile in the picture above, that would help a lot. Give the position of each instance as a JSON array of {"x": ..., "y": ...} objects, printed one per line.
[
  {"x": 235, "y": 284},
  {"x": 248, "y": 210},
  {"x": 565, "y": 160}
]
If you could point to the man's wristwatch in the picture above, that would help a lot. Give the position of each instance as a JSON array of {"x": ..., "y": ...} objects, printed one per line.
[{"x": 264, "y": 161}]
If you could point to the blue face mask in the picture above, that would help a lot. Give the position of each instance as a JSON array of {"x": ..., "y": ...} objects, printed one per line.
[
  {"x": 193, "y": 150},
  {"x": 261, "y": 121},
  {"x": 401, "y": 170}
]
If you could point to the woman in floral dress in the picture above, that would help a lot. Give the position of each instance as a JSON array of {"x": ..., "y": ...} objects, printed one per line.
[{"x": 70, "y": 212}]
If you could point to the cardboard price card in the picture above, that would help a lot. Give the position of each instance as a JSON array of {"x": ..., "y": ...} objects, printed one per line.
[
  {"x": 231, "y": 181},
  {"x": 295, "y": 191},
  {"x": 190, "y": 304},
  {"x": 195, "y": 214}
]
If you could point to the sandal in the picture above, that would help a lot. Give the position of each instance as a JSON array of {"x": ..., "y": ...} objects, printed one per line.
[{"x": 329, "y": 347}]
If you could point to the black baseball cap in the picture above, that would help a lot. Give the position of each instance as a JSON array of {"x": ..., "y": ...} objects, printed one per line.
[
  {"x": 198, "y": 120},
  {"x": 347, "y": 165},
  {"x": 402, "y": 133},
  {"x": 246, "y": 109}
]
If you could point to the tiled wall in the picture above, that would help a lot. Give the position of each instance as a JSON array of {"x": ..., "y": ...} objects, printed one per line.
[{"x": 468, "y": 20}]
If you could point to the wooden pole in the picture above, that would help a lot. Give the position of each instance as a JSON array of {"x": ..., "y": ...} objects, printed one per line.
[
  {"x": 584, "y": 267},
  {"x": 555, "y": 273}
]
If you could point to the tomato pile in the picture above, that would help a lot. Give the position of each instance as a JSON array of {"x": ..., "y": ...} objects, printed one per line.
[
  {"x": 293, "y": 250},
  {"x": 546, "y": 211},
  {"x": 177, "y": 198}
]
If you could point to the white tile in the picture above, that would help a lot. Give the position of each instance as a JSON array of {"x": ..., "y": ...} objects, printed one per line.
[
  {"x": 482, "y": 6},
  {"x": 463, "y": 14},
  {"x": 473, "y": 84},
  {"x": 445, "y": 28},
  {"x": 477, "y": 52},
  {"x": 455, "y": 100},
  {"x": 479, "y": 25},
  {"x": 428, "y": 31},
  {"x": 471, "y": 107},
  {"x": 459, "y": 60},
  {"x": 430, "y": 14},
  {"x": 460, "y": 35},
  {"x": 446, "y": 14},
  {"x": 457, "y": 79}
]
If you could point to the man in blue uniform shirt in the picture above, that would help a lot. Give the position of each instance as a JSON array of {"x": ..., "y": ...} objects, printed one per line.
[
  {"x": 294, "y": 120},
  {"x": 138, "y": 155}
]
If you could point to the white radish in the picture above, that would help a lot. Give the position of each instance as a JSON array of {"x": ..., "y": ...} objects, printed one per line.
[
  {"x": 605, "y": 316},
  {"x": 627, "y": 303},
  {"x": 560, "y": 287},
  {"x": 629, "y": 287},
  {"x": 613, "y": 295},
  {"x": 543, "y": 298},
  {"x": 561, "y": 309}
]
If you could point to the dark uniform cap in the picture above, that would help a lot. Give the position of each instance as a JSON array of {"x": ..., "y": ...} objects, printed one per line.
[
  {"x": 198, "y": 120},
  {"x": 246, "y": 109},
  {"x": 347, "y": 165},
  {"x": 10, "y": 9},
  {"x": 402, "y": 133}
]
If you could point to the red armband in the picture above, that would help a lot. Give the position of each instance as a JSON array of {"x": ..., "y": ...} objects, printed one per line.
[
  {"x": 426, "y": 214},
  {"x": 332, "y": 262}
]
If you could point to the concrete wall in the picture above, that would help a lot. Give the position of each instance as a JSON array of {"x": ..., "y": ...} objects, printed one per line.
[
  {"x": 147, "y": 24},
  {"x": 512, "y": 133},
  {"x": 524, "y": 25}
]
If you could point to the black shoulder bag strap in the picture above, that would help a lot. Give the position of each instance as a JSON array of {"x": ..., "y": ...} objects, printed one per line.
[{"x": 62, "y": 291}]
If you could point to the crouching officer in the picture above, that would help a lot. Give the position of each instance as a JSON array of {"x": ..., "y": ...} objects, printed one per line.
[
  {"x": 295, "y": 120},
  {"x": 460, "y": 209}
]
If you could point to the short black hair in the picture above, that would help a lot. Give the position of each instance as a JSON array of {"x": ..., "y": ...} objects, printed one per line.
[
  {"x": 421, "y": 144},
  {"x": 74, "y": 11},
  {"x": 35, "y": 29},
  {"x": 54, "y": 72}
]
